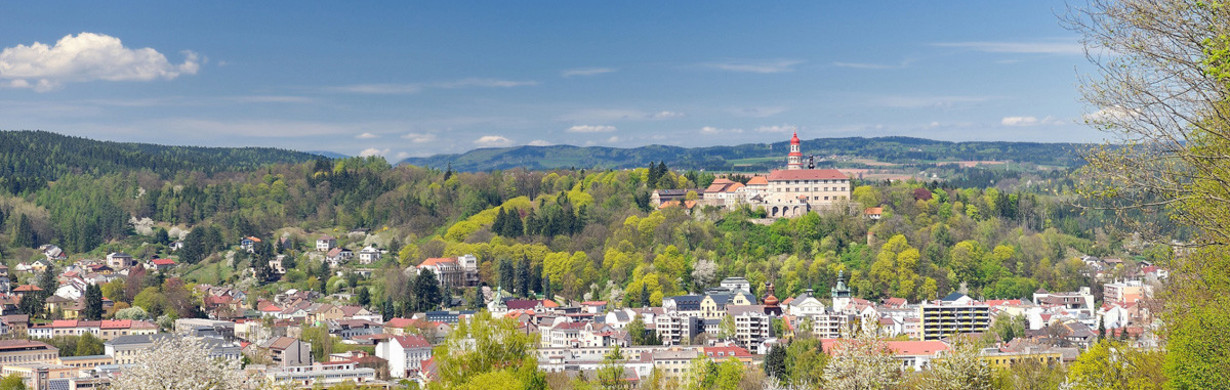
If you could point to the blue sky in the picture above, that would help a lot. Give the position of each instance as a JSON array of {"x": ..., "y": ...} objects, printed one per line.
[{"x": 412, "y": 79}]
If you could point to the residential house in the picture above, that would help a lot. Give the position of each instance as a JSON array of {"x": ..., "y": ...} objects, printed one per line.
[
  {"x": 120, "y": 260},
  {"x": 337, "y": 256},
  {"x": 249, "y": 244},
  {"x": 161, "y": 265},
  {"x": 405, "y": 354},
  {"x": 325, "y": 243},
  {"x": 369, "y": 254},
  {"x": 287, "y": 351}
]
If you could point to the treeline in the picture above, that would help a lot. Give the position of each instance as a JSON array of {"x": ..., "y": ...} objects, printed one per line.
[
  {"x": 31, "y": 159},
  {"x": 752, "y": 157}
]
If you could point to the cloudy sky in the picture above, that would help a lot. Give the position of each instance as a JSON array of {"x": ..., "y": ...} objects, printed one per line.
[{"x": 405, "y": 79}]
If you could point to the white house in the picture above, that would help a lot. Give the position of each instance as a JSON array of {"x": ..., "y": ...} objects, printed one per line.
[
  {"x": 369, "y": 254},
  {"x": 325, "y": 243},
  {"x": 405, "y": 354}
]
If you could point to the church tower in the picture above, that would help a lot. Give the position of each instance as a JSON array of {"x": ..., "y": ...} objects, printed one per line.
[{"x": 795, "y": 159}]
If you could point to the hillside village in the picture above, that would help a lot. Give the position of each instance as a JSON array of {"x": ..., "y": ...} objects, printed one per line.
[{"x": 338, "y": 334}]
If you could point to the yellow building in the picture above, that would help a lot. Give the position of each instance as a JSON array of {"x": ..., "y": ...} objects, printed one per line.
[{"x": 1002, "y": 359}]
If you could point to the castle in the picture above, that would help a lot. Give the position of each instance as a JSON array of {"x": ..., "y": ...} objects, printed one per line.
[{"x": 783, "y": 193}]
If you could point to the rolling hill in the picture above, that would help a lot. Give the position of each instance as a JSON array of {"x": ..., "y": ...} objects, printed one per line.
[
  {"x": 755, "y": 157},
  {"x": 29, "y": 159}
]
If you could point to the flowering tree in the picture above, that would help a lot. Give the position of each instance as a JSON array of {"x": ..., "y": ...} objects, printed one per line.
[
  {"x": 864, "y": 363},
  {"x": 182, "y": 363}
]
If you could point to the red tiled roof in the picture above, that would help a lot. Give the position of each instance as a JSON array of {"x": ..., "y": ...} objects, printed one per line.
[
  {"x": 27, "y": 288},
  {"x": 726, "y": 351},
  {"x": 758, "y": 181},
  {"x": 806, "y": 174},
  {"x": 398, "y": 322},
  {"x": 437, "y": 260},
  {"x": 916, "y": 348},
  {"x": 412, "y": 341},
  {"x": 163, "y": 262},
  {"x": 874, "y": 211}
]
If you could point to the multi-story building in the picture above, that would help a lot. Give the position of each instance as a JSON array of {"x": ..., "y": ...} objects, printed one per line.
[
  {"x": 1125, "y": 292},
  {"x": 677, "y": 328},
  {"x": 952, "y": 316},
  {"x": 287, "y": 351},
  {"x": 751, "y": 324},
  {"x": 322, "y": 374},
  {"x": 13, "y": 352},
  {"x": 1078, "y": 301},
  {"x": 455, "y": 272},
  {"x": 127, "y": 349},
  {"x": 104, "y": 329}
]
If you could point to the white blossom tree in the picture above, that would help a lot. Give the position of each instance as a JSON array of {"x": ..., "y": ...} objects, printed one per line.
[
  {"x": 863, "y": 363},
  {"x": 959, "y": 368},
  {"x": 183, "y": 363}
]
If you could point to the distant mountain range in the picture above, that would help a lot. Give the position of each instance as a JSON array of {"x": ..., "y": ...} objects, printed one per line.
[{"x": 757, "y": 157}]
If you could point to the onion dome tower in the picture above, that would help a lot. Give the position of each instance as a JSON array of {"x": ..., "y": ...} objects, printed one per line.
[{"x": 771, "y": 303}]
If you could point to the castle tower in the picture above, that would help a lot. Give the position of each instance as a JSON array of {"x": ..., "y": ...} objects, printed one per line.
[{"x": 795, "y": 159}]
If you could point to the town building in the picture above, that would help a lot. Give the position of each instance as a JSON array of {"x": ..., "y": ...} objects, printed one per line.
[
  {"x": 955, "y": 314},
  {"x": 404, "y": 353}
]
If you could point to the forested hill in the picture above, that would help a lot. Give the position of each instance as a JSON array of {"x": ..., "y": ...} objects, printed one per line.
[
  {"x": 753, "y": 157},
  {"x": 28, "y": 159}
]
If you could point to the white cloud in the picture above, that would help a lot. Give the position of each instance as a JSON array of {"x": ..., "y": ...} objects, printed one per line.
[
  {"x": 413, "y": 88},
  {"x": 420, "y": 138},
  {"x": 929, "y": 101},
  {"x": 366, "y": 136},
  {"x": 1019, "y": 121},
  {"x": 539, "y": 142},
  {"x": 666, "y": 115},
  {"x": 590, "y": 129},
  {"x": 485, "y": 83},
  {"x": 87, "y": 57},
  {"x": 756, "y": 66},
  {"x": 369, "y": 152},
  {"x": 1022, "y": 121},
  {"x": 617, "y": 114},
  {"x": 586, "y": 72},
  {"x": 613, "y": 139},
  {"x": 714, "y": 130},
  {"x": 868, "y": 65},
  {"x": 380, "y": 89},
  {"x": 758, "y": 112},
  {"x": 492, "y": 141},
  {"x": 271, "y": 99},
  {"x": 402, "y": 155},
  {"x": 1038, "y": 47},
  {"x": 777, "y": 129}
]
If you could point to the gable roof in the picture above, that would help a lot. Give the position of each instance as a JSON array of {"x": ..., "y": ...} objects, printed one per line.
[{"x": 807, "y": 174}]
